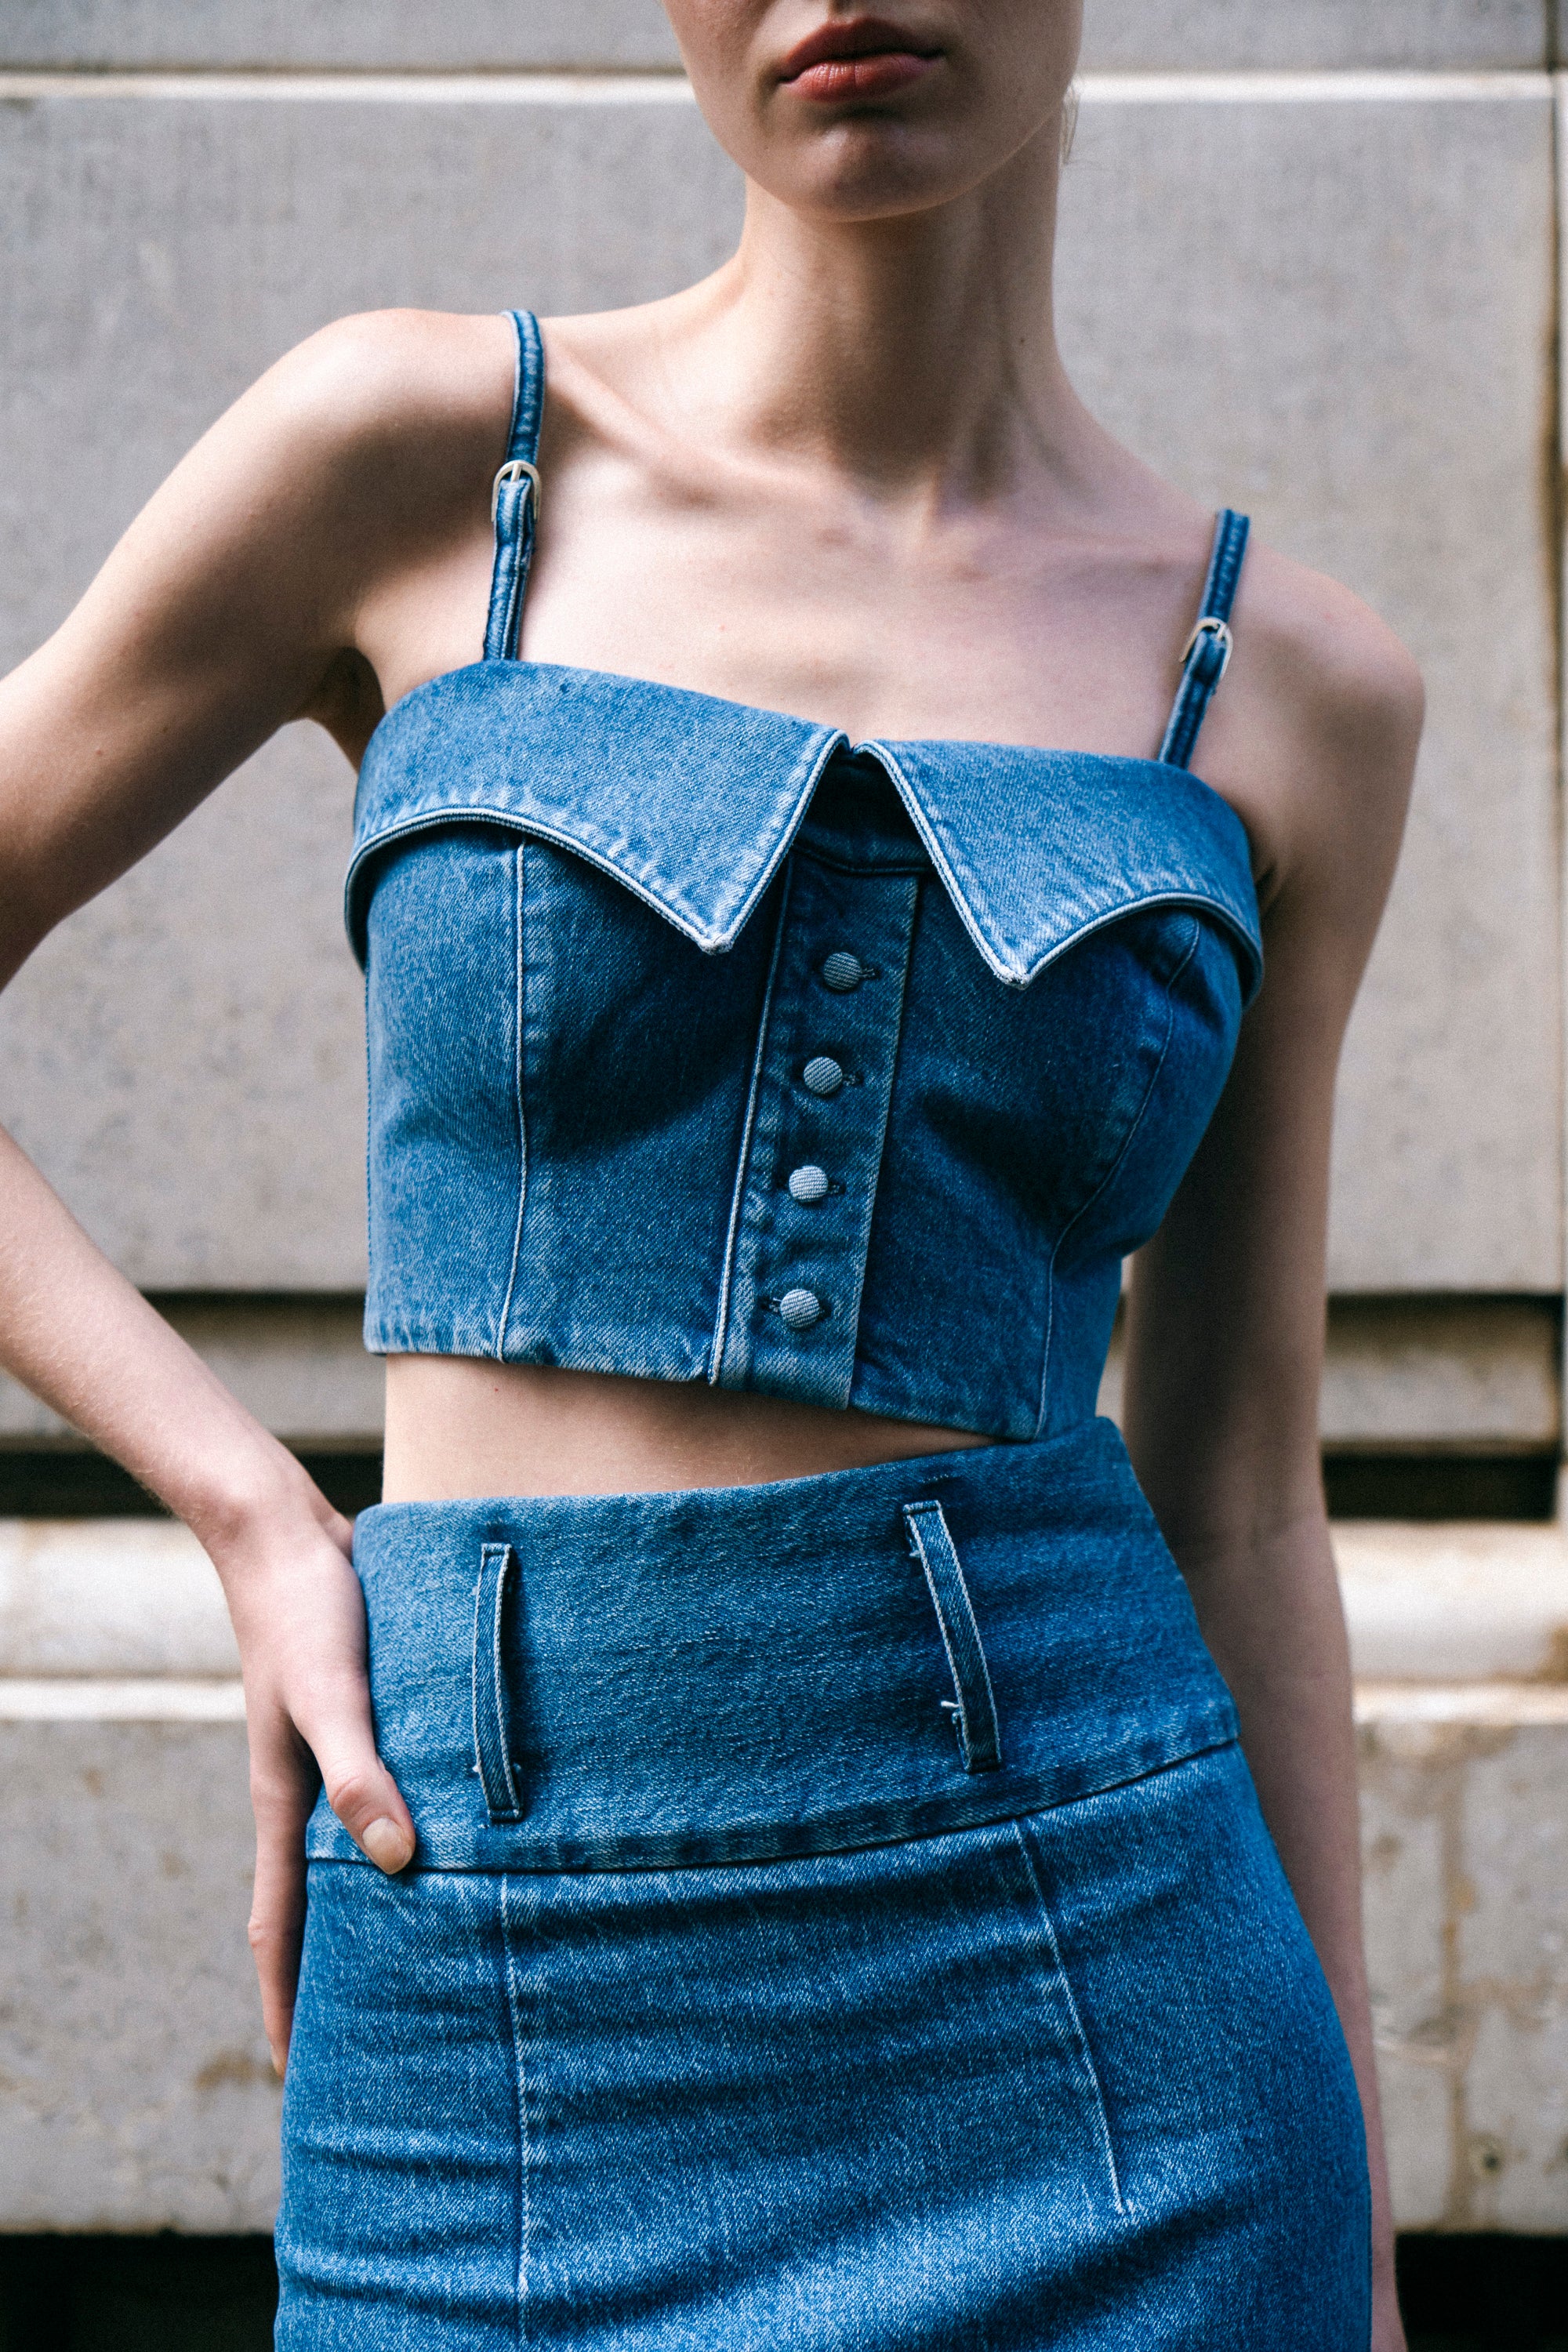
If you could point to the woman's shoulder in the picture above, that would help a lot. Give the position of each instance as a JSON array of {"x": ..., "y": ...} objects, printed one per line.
[
  {"x": 1315, "y": 732},
  {"x": 1329, "y": 660},
  {"x": 390, "y": 384}
]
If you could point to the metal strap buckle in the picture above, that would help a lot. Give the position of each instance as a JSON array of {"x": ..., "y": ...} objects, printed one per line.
[
  {"x": 517, "y": 470},
  {"x": 1219, "y": 631}
]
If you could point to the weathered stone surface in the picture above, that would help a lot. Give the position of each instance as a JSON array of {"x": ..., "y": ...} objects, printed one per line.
[
  {"x": 297, "y": 1364},
  {"x": 1403, "y": 1862},
  {"x": 119, "y": 1598},
  {"x": 1229, "y": 36},
  {"x": 1512, "y": 1940},
  {"x": 1465, "y": 1831},
  {"x": 1446, "y": 1374},
  {"x": 185, "y": 1057},
  {"x": 1456, "y": 1604},
  {"x": 138, "y": 2090},
  {"x": 371, "y": 33},
  {"x": 1338, "y": 314},
  {"x": 1436, "y": 1375},
  {"x": 1220, "y": 34},
  {"x": 1335, "y": 310}
]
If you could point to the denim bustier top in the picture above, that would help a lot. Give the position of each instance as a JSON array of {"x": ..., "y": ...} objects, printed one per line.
[{"x": 705, "y": 1046}]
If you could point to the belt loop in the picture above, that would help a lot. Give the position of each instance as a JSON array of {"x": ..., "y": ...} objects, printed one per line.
[
  {"x": 974, "y": 1715},
  {"x": 492, "y": 1731}
]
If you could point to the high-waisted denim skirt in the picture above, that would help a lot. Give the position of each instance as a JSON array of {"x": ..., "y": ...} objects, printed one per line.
[{"x": 841, "y": 1922}]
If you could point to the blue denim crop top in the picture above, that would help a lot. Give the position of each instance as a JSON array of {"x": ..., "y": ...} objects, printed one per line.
[{"x": 707, "y": 1045}]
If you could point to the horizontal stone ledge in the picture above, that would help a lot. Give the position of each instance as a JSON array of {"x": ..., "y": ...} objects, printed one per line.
[
  {"x": 60, "y": 1699},
  {"x": 92, "y": 35},
  {"x": 130, "y": 1607},
  {"x": 665, "y": 86},
  {"x": 1474, "y": 1605},
  {"x": 1384, "y": 1708},
  {"x": 1461, "y": 1374}
]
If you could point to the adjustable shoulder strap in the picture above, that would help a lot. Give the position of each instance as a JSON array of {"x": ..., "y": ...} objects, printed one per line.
[
  {"x": 514, "y": 502},
  {"x": 1207, "y": 655}
]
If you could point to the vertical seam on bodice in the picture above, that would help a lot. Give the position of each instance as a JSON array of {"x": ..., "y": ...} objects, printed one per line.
[
  {"x": 518, "y": 1036},
  {"x": 1112, "y": 1172},
  {"x": 732, "y": 1239}
]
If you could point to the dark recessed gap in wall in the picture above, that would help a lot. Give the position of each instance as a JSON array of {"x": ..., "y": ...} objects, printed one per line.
[
  {"x": 73, "y": 1483},
  {"x": 1485, "y": 2293},
  {"x": 1440, "y": 1485},
  {"x": 162, "y": 2293},
  {"x": 168, "y": 2293}
]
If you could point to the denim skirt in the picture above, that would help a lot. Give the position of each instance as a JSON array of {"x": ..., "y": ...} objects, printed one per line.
[{"x": 841, "y": 1920}]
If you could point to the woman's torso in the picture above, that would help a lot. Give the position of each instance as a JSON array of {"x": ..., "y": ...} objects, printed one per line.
[{"x": 956, "y": 1290}]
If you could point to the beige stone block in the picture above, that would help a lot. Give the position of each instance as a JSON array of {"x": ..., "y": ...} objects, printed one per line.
[
  {"x": 372, "y": 34},
  {"x": 297, "y": 1364},
  {"x": 185, "y": 1057},
  {"x": 139, "y": 2095},
  {"x": 1403, "y": 1859},
  {"x": 1432, "y": 1375},
  {"x": 1449, "y": 1375},
  {"x": 1463, "y": 1813},
  {"x": 1216, "y": 35},
  {"x": 1336, "y": 311},
  {"x": 1512, "y": 1937},
  {"x": 1455, "y": 1604},
  {"x": 1228, "y": 35},
  {"x": 123, "y": 1598}
]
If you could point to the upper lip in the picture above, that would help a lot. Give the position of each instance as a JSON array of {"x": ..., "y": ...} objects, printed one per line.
[{"x": 858, "y": 37}]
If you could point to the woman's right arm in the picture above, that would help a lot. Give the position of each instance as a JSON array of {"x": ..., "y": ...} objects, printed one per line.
[{"x": 243, "y": 596}]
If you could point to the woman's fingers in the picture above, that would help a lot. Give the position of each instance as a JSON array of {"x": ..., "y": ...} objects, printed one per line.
[
  {"x": 335, "y": 1748},
  {"x": 360, "y": 1790},
  {"x": 282, "y": 1807}
]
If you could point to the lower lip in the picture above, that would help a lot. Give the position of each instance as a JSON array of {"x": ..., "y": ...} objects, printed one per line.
[{"x": 839, "y": 81}]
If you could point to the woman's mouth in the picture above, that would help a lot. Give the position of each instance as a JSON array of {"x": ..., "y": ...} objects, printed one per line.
[{"x": 847, "y": 64}]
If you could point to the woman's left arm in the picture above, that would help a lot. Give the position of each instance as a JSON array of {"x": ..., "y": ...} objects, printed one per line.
[{"x": 1226, "y": 1312}]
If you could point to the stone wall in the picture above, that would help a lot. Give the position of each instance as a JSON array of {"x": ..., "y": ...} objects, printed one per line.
[{"x": 1309, "y": 257}]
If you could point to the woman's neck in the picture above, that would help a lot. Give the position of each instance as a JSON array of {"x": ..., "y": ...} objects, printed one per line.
[{"x": 915, "y": 353}]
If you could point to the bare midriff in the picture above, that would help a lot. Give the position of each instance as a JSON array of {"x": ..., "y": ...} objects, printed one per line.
[{"x": 459, "y": 1427}]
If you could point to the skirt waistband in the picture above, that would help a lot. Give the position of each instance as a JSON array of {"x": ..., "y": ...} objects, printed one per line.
[{"x": 743, "y": 1673}]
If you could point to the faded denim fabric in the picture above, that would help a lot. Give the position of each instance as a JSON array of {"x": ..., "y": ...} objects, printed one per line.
[
  {"x": 585, "y": 1118},
  {"x": 1057, "y": 2070}
]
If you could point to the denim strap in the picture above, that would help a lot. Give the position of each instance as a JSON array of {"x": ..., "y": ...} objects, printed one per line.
[
  {"x": 515, "y": 502},
  {"x": 492, "y": 1731},
  {"x": 1207, "y": 655},
  {"x": 974, "y": 1710}
]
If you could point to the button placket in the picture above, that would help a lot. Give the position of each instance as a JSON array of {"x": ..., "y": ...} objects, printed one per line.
[{"x": 825, "y": 1086}]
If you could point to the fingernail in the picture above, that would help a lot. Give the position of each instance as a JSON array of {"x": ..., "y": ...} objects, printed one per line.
[
  {"x": 278, "y": 2061},
  {"x": 388, "y": 1846}
]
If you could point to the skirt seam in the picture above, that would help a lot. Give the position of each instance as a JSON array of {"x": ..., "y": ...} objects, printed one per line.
[
  {"x": 1107, "y": 2145},
  {"x": 524, "y": 2202}
]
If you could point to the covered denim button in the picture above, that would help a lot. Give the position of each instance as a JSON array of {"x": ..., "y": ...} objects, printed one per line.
[
  {"x": 843, "y": 971},
  {"x": 823, "y": 1075},
  {"x": 808, "y": 1184},
  {"x": 799, "y": 1309}
]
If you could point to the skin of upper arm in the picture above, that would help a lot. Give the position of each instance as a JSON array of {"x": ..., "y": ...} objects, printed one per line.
[
  {"x": 237, "y": 600},
  {"x": 1225, "y": 1317}
]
